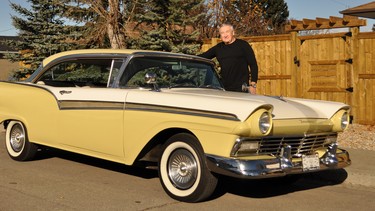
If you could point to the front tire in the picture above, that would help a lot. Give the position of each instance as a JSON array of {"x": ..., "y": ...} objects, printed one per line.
[
  {"x": 182, "y": 170},
  {"x": 17, "y": 144}
]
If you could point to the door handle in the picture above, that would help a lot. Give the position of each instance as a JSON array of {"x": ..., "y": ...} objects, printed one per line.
[{"x": 65, "y": 92}]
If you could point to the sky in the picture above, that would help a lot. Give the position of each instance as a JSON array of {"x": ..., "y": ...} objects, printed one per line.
[{"x": 298, "y": 9}]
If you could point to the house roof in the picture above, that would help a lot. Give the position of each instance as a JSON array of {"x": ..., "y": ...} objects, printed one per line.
[{"x": 364, "y": 10}]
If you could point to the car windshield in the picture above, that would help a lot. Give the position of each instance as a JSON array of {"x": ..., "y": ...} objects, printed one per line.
[{"x": 170, "y": 73}]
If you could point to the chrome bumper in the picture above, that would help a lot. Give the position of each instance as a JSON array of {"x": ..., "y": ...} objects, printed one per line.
[{"x": 275, "y": 167}]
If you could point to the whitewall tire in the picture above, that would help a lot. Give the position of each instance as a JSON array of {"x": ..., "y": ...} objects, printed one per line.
[
  {"x": 182, "y": 170},
  {"x": 17, "y": 144}
]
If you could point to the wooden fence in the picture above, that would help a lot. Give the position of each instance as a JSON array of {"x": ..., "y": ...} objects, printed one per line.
[{"x": 336, "y": 67}]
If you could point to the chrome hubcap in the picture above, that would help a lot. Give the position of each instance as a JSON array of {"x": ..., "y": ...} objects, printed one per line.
[
  {"x": 182, "y": 169},
  {"x": 17, "y": 138}
]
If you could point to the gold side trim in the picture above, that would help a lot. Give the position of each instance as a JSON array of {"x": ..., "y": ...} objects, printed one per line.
[
  {"x": 184, "y": 111},
  {"x": 90, "y": 105}
]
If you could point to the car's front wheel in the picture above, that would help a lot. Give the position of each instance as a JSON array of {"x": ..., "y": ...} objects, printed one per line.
[
  {"x": 183, "y": 171},
  {"x": 17, "y": 144}
]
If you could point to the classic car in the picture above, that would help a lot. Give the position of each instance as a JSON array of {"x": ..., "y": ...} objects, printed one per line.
[{"x": 169, "y": 112}]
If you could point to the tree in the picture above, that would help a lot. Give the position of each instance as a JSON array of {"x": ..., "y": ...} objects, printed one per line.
[
  {"x": 246, "y": 15},
  {"x": 42, "y": 34},
  {"x": 184, "y": 16},
  {"x": 170, "y": 25},
  {"x": 105, "y": 22},
  {"x": 250, "y": 17},
  {"x": 214, "y": 10},
  {"x": 152, "y": 24},
  {"x": 276, "y": 12}
]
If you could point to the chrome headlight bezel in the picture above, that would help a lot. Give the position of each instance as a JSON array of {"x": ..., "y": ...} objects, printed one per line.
[
  {"x": 340, "y": 120},
  {"x": 344, "y": 120},
  {"x": 258, "y": 124},
  {"x": 265, "y": 122}
]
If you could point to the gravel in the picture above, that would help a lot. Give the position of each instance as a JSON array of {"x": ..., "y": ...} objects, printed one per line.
[{"x": 358, "y": 137}]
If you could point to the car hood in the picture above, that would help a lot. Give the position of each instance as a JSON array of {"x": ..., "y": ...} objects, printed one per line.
[{"x": 241, "y": 105}]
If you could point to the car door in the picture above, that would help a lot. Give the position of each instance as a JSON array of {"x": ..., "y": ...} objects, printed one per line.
[{"x": 90, "y": 119}]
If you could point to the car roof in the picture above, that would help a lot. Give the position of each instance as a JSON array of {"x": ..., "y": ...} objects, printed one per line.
[
  {"x": 51, "y": 58},
  {"x": 88, "y": 51}
]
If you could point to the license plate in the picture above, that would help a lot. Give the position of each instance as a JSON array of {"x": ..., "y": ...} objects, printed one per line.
[{"x": 310, "y": 162}]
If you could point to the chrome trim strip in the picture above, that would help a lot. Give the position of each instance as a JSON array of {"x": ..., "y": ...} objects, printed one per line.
[
  {"x": 183, "y": 111},
  {"x": 265, "y": 168},
  {"x": 99, "y": 105},
  {"x": 90, "y": 105}
]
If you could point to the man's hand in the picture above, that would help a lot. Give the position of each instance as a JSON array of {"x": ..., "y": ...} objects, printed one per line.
[{"x": 252, "y": 90}]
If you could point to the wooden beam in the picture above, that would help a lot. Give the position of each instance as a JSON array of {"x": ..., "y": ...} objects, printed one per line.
[
  {"x": 366, "y": 76},
  {"x": 294, "y": 23},
  {"x": 277, "y": 37},
  {"x": 275, "y": 77},
  {"x": 334, "y": 19},
  {"x": 307, "y": 22},
  {"x": 320, "y": 21}
]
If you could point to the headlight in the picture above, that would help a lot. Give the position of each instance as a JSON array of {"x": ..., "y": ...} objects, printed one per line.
[
  {"x": 264, "y": 122},
  {"x": 344, "y": 120},
  {"x": 340, "y": 120},
  {"x": 259, "y": 123}
]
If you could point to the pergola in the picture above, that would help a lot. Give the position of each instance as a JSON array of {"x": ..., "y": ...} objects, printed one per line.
[{"x": 349, "y": 19}]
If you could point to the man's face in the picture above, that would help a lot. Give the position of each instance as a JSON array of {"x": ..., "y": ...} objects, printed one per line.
[{"x": 226, "y": 34}]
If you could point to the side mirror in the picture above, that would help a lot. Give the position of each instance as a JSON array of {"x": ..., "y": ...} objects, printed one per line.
[{"x": 150, "y": 78}]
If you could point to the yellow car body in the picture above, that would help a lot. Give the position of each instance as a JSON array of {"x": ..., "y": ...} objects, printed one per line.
[{"x": 189, "y": 131}]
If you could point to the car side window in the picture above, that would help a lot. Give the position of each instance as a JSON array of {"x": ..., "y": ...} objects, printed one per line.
[
  {"x": 82, "y": 73},
  {"x": 170, "y": 72}
]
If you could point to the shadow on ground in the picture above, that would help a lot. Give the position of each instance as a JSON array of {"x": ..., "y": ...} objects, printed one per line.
[
  {"x": 100, "y": 163},
  {"x": 264, "y": 188},
  {"x": 257, "y": 188}
]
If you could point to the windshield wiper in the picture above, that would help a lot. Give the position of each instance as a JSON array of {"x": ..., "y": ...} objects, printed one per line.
[
  {"x": 182, "y": 86},
  {"x": 211, "y": 87}
]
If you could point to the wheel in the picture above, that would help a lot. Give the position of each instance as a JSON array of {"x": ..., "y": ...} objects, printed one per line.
[
  {"x": 17, "y": 145},
  {"x": 182, "y": 170}
]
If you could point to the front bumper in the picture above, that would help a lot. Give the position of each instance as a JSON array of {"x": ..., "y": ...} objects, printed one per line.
[{"x": 275, "y": 167}]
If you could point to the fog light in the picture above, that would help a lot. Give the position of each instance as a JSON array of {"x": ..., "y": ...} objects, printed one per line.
[
  {"x": 330, "y": 140},
  {"x": 245, "y": 148}
]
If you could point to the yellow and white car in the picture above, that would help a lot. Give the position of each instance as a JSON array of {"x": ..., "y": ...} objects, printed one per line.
[{"x": 168, "y": 111}]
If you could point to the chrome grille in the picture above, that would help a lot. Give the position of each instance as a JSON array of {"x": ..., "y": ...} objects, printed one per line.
[{"x": 300, "y": 145}]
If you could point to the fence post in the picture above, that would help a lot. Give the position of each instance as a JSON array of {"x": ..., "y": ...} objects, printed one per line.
[
  {"x": 295, "y": 45},
  {"x": 354, "y": 74}
]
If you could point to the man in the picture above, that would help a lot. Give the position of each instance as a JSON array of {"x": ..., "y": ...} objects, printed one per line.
[{"x": 235, "y": 56}]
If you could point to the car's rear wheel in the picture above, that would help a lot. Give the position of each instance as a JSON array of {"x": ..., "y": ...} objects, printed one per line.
[
  {"x": 17, "y": 144},
  {"x": 183, "y": 171}
]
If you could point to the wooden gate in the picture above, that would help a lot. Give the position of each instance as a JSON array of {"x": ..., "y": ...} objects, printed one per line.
[
  {"x": 324, "y": 71},
  {"x": 363, "y": 105}
]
